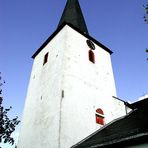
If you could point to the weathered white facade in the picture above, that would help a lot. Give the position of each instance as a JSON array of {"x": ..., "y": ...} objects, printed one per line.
[{"x": 63, "y": 94}]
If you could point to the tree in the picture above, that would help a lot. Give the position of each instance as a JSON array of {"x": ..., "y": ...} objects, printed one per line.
[
  {"x": 7, "y": 125},
  {"x": 146, "y": 13},
  {"x": 146, "y": 18},
  {"x": 147, "y": 52}
]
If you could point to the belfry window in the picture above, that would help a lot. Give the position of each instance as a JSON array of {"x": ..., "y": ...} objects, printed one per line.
[
  {"x": 45, "y": 58},
  {"x": 91, "y": 56},
  {"x": 99, "y": 116}
]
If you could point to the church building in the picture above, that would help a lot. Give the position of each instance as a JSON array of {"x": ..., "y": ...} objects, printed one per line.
[{"x": 71, "y": 88}]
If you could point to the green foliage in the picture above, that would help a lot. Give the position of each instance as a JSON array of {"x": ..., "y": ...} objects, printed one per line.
[
  {"x": 146, "y": 19},
  {"x": 146, "y": 51},
  {"x": 146, "y": 13},
  {"x": 7, "y": 126}
]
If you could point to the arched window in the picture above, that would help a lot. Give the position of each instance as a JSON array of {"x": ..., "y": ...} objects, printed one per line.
[
  {"x": 91, "y": 56},
  {"x": 99, "y": 116}
]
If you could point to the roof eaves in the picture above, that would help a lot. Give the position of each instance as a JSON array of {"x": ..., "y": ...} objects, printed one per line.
[
  {"x": 48, "y": 40},
  {"x": 140, "y": 104},
  {"x": 91, "y": 38},
  {"x": 70, "y": 25},
  {"x": 125, "y": 140}
]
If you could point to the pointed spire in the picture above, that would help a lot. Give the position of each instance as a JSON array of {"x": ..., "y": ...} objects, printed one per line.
[{"x": 72, "y": 14}]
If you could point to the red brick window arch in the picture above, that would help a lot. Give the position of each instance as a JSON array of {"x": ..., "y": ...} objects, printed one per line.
[
  {"x": 100, "y": 116},
  {"x": 91, "y": 56}
]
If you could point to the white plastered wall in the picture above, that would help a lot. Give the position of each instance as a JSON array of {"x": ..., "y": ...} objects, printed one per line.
[
  {"x": 40, "y": 124},
  {"x": 86, "y": 86},
  {"x": 56, "y": 120}
]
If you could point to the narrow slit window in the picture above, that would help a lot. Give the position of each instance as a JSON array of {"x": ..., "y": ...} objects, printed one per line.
[
  {"x": 99, "y": 116},
  {"x": 45, "y": 58},
  {"x": 91, "y": 56}
]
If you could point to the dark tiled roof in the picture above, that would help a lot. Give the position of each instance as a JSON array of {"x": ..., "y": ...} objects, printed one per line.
[
  {"x": 72, "y": 14},
  {"x": 59, "y": 29},
  {"x": 132, "y": 128},
  {"x": 140, "y": 104}
]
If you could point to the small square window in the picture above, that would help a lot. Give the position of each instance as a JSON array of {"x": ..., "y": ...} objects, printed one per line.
[{"x": 45, "y": 58}]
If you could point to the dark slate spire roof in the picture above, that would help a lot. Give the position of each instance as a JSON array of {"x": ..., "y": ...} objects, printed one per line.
[
  {"x": 73, "y": 17},
  {"x": 72, "y": 14}
]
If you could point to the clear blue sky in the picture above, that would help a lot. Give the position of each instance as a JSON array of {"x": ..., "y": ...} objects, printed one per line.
[{"x": 118, "y": 24}]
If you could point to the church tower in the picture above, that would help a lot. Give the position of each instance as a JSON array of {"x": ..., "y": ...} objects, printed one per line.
[{"x": 71, "y": 86}]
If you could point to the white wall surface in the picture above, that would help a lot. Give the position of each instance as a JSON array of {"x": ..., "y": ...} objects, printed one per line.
[
  {"x": 53, "y": 121},
  {"x": 86, "y": 86},
  {"x": 40, "y": 124}
]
